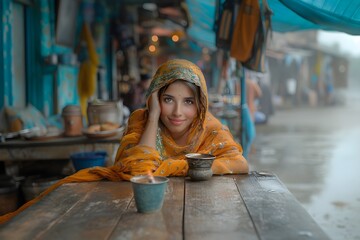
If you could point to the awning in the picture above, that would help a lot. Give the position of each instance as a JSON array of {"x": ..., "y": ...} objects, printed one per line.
[
  {"x": 337, "y": 15},
  {"x": 288, "y": 16}
]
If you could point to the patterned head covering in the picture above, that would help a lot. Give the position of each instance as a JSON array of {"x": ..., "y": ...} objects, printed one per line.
[{"x": 176, "y": 69}]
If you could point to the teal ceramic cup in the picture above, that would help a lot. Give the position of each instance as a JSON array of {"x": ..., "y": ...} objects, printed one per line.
[{"x": 149, "y": 195}]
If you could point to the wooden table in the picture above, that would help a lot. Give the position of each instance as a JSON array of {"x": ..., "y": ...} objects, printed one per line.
[{"x": 254, "y": 206}]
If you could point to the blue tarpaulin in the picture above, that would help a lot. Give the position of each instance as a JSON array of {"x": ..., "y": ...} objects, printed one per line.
[{"x": 338, "y": 15}]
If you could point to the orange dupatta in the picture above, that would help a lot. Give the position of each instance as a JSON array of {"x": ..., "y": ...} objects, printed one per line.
[{"x": 207, "y": 135}]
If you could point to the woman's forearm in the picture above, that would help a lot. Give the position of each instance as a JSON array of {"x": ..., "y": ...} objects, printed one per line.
[{"x": 148, "y": 137}]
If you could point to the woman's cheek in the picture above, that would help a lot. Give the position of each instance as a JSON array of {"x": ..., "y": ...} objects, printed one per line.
[{"x": 191, "y": 112}]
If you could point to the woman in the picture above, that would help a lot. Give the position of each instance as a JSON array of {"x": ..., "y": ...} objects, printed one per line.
[
  {"x": 175, "y": 122},
  {"x": 253, "y": 94}
]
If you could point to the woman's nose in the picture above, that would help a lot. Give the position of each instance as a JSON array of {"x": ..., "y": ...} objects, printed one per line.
[{"x": 177, "y": 109}]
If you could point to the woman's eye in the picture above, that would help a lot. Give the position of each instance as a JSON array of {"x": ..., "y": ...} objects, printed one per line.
[
  {"x": 167, "y": 99},
  {"x": 190, "y": 102}
]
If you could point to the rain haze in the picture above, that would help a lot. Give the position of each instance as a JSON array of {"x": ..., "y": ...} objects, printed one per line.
[
  {"x": 347, "y": 43},
  {"x": 315, "y": 150}
]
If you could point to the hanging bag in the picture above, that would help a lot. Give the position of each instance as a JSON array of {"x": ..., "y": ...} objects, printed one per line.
[{"x": 225, "y": 25}]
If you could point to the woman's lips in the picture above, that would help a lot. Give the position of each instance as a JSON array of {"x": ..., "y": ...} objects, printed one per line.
[{"x": 176, "y": 122}]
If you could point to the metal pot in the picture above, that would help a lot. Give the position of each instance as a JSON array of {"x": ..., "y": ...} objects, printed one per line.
[
  {"x": 99, "y": 112},
  {"x": 72, "y": 120},
  {"x": 8, "y": 194},
  {"x": 36, "y": 184}
]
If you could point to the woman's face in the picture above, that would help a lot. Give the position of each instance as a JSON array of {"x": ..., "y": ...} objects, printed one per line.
[{"x": 178, "y": 108}]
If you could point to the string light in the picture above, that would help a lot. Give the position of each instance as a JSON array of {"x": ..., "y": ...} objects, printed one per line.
[
  {"x": 175, "y": 38},
  {"x": 154, "y": 38},
  {"x": 152, "y": 48}
]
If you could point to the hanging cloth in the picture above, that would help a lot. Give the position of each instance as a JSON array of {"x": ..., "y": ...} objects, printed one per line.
[
  {"x": 246, "y": 25},
  {"x": 250, "y": 34},
  {"x": 88, "y": 70},
  {"x": 256, "y": 62}
]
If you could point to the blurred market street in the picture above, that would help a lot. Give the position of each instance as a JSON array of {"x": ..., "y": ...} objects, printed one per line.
[{"x": 315, "y": 152}]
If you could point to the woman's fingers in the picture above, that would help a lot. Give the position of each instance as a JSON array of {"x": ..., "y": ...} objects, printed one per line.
[{"x": 154, "y": 105}]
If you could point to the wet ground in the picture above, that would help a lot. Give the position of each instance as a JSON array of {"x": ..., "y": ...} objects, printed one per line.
[{"x": 316, "y": 153}]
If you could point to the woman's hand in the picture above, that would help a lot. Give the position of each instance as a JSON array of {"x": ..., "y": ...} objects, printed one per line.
[
  {"x": 154, "y": 106},
  {"x": 148, "y": 136}
]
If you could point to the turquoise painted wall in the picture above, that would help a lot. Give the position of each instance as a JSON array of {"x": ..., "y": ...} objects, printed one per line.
[
  {"x": 18, "y": 54},
  {"x": 34, "y": 61},
  {"x": 49, "y": 87},
  {"x": 5, "y": 58},
  {"x": 67, "y": 90}
]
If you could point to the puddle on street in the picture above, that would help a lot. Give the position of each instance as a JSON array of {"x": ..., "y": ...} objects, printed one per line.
[{"x": 315, "y": 152}]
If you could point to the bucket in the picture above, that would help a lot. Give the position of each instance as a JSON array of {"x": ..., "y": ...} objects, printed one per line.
[
  {"x": 9, "y": 196},
  {"x": 36, "y": 184},
  {"x": 83, "y": 160}
]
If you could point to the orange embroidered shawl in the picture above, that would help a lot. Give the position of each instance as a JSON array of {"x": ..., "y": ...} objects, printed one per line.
[{"x": 207, "y": 135}]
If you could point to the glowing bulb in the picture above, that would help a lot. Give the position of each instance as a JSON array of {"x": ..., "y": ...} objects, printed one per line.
[
  {"x": 154, "y": 38},
  {"x": 152, "y": 48},
  {"x": 175, "y": 38}
]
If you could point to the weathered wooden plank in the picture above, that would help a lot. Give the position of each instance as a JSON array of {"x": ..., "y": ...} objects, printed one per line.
[
  {"x": 275, "y": 211},
  {"x": 53, "y": 152},
  {"x": 96, "y": 215},
  {"x": 60, "y": 141},
  {"x": 165, "y": 224},
  {"x": 215, "y": 210},
  {"x": 42, "y": 215}
]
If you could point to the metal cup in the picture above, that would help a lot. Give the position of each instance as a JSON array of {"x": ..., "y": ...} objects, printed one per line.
[{"x": 200, "y": 166}]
